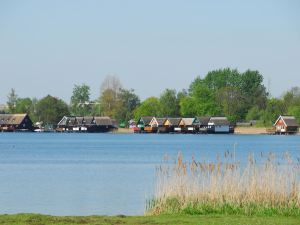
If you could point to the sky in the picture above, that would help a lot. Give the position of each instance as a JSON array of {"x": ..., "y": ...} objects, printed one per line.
[{"x": 46, "y": 47}]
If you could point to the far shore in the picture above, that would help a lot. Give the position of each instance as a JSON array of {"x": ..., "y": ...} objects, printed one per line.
[{"x": 237, "y": 130}]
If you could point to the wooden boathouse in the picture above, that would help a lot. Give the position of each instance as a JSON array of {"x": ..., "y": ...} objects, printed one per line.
[
  {"x": 88, "y": 124},
  {"x": 143, "y": 124},
  {"x": 157, "y": 125},
  {"x": 286, "y": 125},
  {"x": 172, "y": 125},
  {"x": 218, "y": 125},
  {"x": 15, "y": 122},
  {"x": 189, "y": 125}
]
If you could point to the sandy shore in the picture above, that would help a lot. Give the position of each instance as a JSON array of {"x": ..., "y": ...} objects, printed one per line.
[
  {"x": 250, "y": 130},
  {"x": 124, "y": 131}
]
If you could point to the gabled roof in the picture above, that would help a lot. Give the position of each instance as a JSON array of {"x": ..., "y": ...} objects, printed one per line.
[
  {"x": 4, "y": 118},
  {"x": 289, "y": 121},
  {"x": 157, "y": 121},
  {"x": 219, "y": 121},
  {"x": 145, "y": 120},
  {"x": 203, "y": 120},
  {"x": 174, "y": 121},
  {"x": 12, "y": 119},
  {"x": 88, "y": 120},
  {"x": 160, "y": 121},
  {"x": 103, "y": 121},
  {"x": 190, "y": 121},
  {"x": 63, "y": 121},
  {"x": 71, "y": 121},
  {"x": 79, "y": 120}
]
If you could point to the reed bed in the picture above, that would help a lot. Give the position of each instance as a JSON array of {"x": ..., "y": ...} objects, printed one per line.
[{"x": 263, "y": 185}]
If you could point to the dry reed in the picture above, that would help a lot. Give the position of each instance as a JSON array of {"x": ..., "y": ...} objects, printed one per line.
[{"x": 271, "y": 186}]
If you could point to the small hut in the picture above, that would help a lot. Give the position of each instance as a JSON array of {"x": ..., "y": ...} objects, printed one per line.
[
  {"x": 218, "y": 125},
  {"x": 286, "y": 125}
]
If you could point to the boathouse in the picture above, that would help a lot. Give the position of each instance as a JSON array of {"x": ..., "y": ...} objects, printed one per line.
[
  {"x": 203, "y": 124},
  {"x": 172, "y": 125},
  {"x": 15, "y": 122},
  {"x": 85, "y": 124},
  {"x": 157, "y": 125},
  {"x": 144, "y": 122},
  {"x": 286, "y": 125},
  {"x": 218, "y": 125},
  {"x": 189, "y": 125}
]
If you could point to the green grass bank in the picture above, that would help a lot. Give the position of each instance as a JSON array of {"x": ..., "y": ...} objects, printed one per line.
[{"x": 36, "y": 219}]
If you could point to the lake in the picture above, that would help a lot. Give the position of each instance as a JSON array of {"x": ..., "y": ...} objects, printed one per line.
[{"x": 105, "y": 174}]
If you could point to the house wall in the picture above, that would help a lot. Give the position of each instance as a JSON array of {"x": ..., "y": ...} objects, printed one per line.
[{"x": 221, "y": 129}]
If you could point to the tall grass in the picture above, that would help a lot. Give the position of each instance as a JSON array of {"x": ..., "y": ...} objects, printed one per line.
[{"x": 264, "y": 185}]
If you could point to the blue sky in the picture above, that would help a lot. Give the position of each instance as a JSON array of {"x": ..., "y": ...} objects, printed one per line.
[{"x": 48, "y": 46}]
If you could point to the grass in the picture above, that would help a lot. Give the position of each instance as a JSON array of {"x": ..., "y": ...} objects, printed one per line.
[
  {"x": 264, "y": 186},
  {"x": 35, "y": 219}
]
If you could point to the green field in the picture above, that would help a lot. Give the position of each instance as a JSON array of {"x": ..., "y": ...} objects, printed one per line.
[{"x": 35, "y": 219}]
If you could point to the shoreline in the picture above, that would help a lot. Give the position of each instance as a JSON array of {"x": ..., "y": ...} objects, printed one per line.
[{"x": 237, "y": 130}]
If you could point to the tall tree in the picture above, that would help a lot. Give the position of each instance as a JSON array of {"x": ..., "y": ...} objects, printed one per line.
[
  {"x": 274, "y": 108},
  {"x": 231, "y": 100},
  {"x": 253, "y": 89},
  {"x": 169, "y": 104},
  {"x": 149, "y": 107},
  {"x": 12, "y": 101},
  {"x": 127, "y": 103},
  {"x": 80, "y": 100},
  {"x": 23, "y": 105},
  {"x": 108, "y": 99},
  {"x": 201, "y": 100},
  {"x": 50, "y": 110}
]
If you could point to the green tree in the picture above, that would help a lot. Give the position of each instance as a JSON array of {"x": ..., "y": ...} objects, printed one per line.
[
  {"x": 126, "y": 104},
  {"x": 295, "y": 111},
  {"x": 50, "y": 110},
  {"x": 109, "y": 103},
  {"x": 221, "y": 78},
  {"x": 231, "y": 100},
  {"x": 254, "y": 114},
  {"x": 12, "y": 98},
  {"x": 108, "y": 99},
  {"x": 275, "y": 107},
  {"x": 253, "y": 89},
  {"x": 80, "y": 100},
  {"x": 24, "y": 105},
  {"x": 187, "y": 106},
  {"x": 149, "y": 107},
  {"x": 291, "y": 98},
  {"x": 169, "y": 104},
  {"x": 201, "y": 100}
]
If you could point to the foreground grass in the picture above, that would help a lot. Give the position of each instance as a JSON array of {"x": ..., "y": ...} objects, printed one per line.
[{"x": 36, "y": 219}]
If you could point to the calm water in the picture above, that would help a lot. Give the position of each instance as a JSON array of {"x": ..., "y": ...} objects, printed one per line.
[{"x": 85, "y": 174}]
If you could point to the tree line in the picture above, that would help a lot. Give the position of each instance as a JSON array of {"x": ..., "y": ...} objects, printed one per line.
[{"x": 241, "y": 96}]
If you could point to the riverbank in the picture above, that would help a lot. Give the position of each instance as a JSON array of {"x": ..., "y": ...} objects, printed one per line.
[
  {"x": 238, "y": 130},
  {"x": 250, "y": 130},
  {"x": 34, "y": 219}
]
